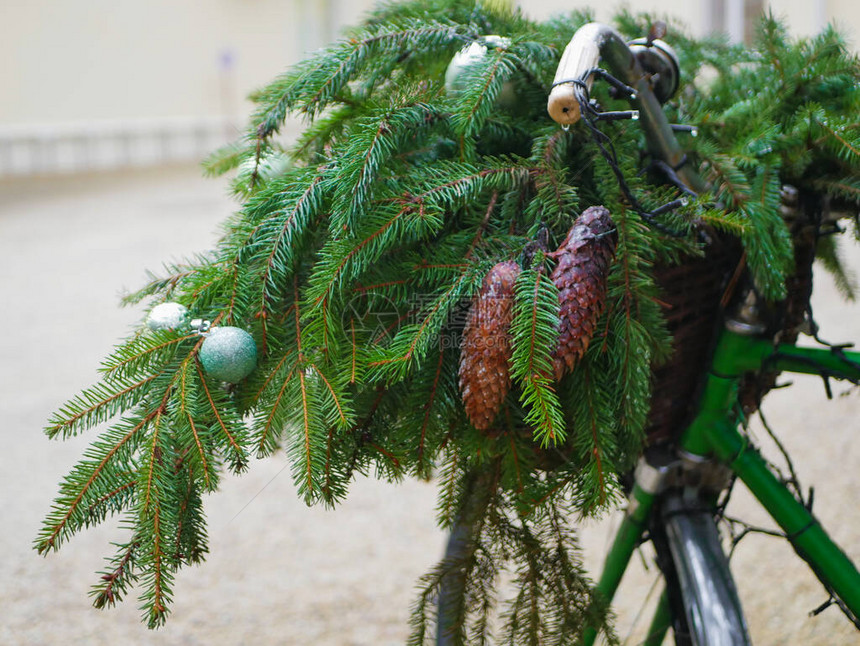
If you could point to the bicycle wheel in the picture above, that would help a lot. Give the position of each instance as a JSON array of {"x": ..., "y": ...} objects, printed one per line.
[{"x": 703, "y": 599}]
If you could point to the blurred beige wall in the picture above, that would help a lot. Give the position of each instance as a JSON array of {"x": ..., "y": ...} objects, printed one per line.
[
  {"x": 803, "y": 17},
  {"x": 94, "y": 59},
  {"x": 113, "y": 59},
  {"x": 100, "y": 84},
  {"x": 111, "y": 77}
]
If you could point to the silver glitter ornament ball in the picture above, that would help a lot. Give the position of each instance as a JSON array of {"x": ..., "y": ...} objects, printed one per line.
[
  {"x": 166, "y": 316},
  {"x": 228, "y": 354}
]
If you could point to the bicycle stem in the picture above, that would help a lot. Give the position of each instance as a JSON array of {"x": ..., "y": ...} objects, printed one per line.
[{"x": 592, "y": 43}]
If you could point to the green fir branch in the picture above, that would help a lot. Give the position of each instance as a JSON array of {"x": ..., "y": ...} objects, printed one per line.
[
  {"x": 412, "y": 341},
  {"x": 192, "y": 436},
  {"x": 314, "y": 84},
  {"x": 178, "y": 274},
  {"x": 96, "y": 405},
  {"x": 117, "y": 579},
  {"x": 227, "y": 426},
  {"x": 770, "y": 254},
  {"x": 827, "y": 252},
  {"x": 534, "y": 336},
  {"x": 227, "y": 158},
  {"x": 370, "y": 145},
  {"x": 101, "y": 472},
  {"x": 847, "y": 188},
  {"x": 280, "y": 235},
  {"x": 144, "y": 353}
]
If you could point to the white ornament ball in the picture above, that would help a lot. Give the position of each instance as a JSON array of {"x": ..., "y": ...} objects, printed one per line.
[
  {"x": 228, "y": 354},
  {"x": 469, "y": 55},
  {"x": 166, "y": 316}
]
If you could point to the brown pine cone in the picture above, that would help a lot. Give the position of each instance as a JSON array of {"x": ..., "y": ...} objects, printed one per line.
[
  {"x": 583, "y": 266},
  {"x": 486, "y": 348}
]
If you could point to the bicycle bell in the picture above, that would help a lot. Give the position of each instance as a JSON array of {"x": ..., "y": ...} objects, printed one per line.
[{"x": 658, "y": 59}]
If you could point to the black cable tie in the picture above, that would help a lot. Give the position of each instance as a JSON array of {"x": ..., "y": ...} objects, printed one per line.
[
  {"x": 580, "y": 80},
  {"x": 618, "y": 115},
  {"x": 681, "y": 163},
  {"x": 680, "y": 127},
  {"x": 827, "y": 389},
  {"x": 672, "y": 175},
  {"x": 607, "y": 149},
  {"x": 720, "y": 375},
  {"x": 795, "y": 535},
  {"x": 837, "y": 349},
  {"x": 825, "y": 373},
  {"x": 662, "y": 228},
  {"x": 743, "y": 449},
  {"x": 834, "y": 229},
  {"x": 670, "y": 206},
  {"x": 619, "y": 85},
  {"x": 824, "y": 606}
]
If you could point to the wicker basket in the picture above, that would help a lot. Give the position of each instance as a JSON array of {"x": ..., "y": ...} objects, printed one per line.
[{"x": 694, "y": 294}]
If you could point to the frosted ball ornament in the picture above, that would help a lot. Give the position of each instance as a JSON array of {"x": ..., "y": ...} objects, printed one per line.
[
  {"x": 228, "y": 354},
  {"x": 471, "y": 54},
  {"x": 166, "y": 316},
  {"x": 269, "y": 166}
]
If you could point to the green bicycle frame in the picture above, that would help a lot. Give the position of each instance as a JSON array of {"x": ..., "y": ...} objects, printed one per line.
[{"x": 714, "y": 433}]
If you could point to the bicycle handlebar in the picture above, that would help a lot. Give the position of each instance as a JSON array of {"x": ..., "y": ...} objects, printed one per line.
[
  {"x": 580, "y": 57},
  {"x": 592, "y": 43}
]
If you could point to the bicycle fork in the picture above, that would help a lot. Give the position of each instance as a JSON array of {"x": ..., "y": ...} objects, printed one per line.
[{"x": 670, "y": 501}]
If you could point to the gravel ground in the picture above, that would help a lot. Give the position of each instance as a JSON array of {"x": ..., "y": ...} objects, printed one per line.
[{"x": 280, "y": 573}]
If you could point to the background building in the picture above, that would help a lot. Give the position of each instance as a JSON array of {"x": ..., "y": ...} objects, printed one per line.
[{"x": 100, "y": 84}]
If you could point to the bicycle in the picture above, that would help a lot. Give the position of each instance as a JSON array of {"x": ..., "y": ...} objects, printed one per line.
[
  {"x": 679, "y": 488},
  {"x": 348, "y": 271}
]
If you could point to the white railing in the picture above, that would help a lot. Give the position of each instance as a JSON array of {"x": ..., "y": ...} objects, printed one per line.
[{"x": 109, "y": 145}]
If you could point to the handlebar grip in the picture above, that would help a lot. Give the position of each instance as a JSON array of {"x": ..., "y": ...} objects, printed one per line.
[{"x": 581, "y": 55}]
